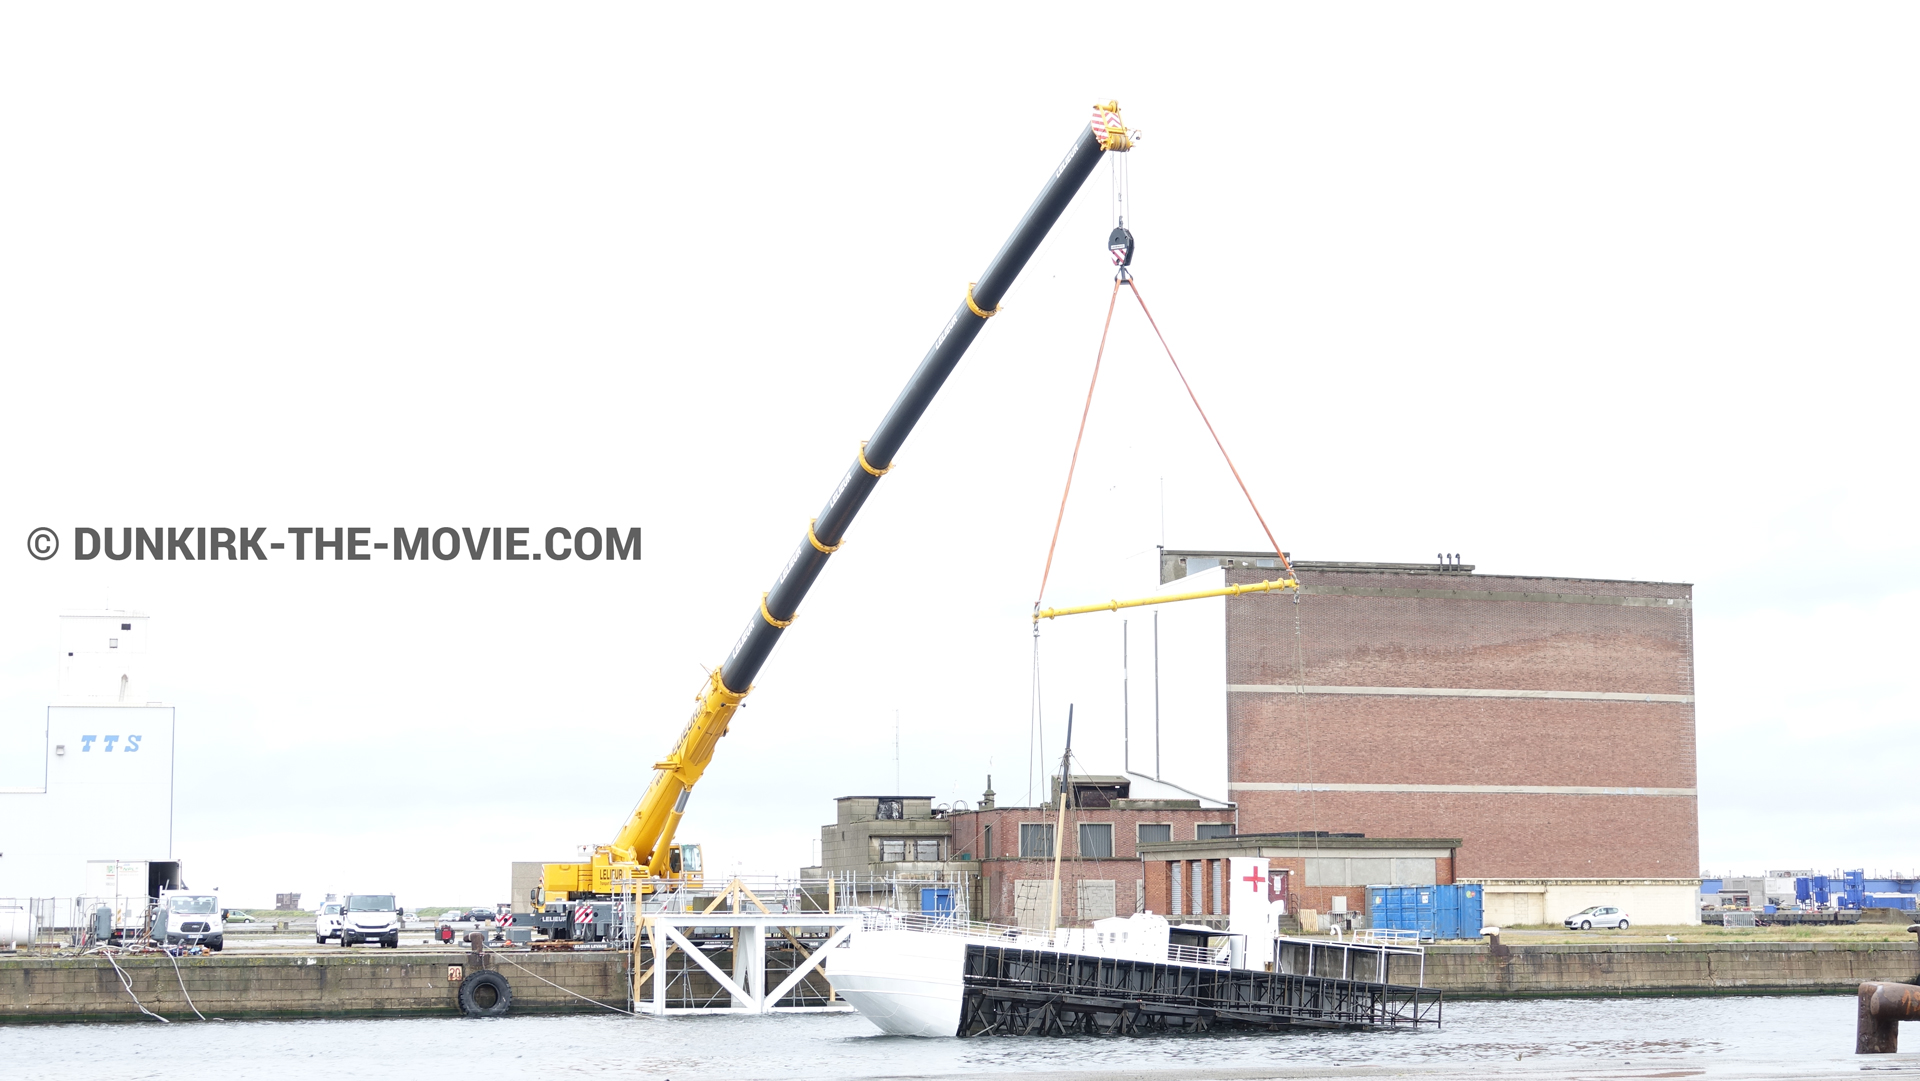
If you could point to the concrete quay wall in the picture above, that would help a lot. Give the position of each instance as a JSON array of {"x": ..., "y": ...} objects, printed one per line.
[
  {"x": 382, "y": 983},
  {"x": 358, "y": 983},
  {"x": 1660, "y": 968}
]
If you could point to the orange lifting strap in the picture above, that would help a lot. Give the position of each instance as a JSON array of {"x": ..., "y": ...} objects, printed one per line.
[{"x": 1073, "y": 463}]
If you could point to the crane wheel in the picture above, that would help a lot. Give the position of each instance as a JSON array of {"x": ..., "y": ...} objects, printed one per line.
[{"x": 485, "y": 994}]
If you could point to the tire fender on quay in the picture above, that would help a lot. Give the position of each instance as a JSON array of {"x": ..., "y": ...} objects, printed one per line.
[{"x": 479, "y": 988}]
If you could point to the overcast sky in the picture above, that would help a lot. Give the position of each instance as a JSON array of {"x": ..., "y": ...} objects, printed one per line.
[{"x": 1621, "y": 291}]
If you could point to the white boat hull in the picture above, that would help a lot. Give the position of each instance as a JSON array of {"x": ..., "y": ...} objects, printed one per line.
[{"x": 908, "y": 983}]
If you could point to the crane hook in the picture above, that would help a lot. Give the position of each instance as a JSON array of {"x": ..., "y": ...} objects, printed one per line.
[{"x": 1120, "y": 246}]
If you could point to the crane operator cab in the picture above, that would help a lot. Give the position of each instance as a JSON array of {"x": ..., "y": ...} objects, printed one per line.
[{"x": 684, "y": 864}]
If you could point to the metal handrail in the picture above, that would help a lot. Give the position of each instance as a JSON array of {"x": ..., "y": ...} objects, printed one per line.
[
  {"x": 1069, "y": 939},
  {"x": 1387, "y": 936}
]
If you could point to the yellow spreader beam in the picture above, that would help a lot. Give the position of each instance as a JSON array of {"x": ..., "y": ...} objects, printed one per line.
[{"x": 1114, "y": 606}]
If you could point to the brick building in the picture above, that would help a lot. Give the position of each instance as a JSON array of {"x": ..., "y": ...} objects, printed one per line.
[
  {"x": 1546, "y": 722},
  {"x": 903, "y": 852},
  {"x": 1101, "y": 872}
]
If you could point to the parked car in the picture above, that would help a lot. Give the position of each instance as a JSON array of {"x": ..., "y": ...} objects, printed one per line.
[
  {"x": 326, "y": 924},
  {"x": 1597, "y": 916},
  {"x": 242, "y": 918}
]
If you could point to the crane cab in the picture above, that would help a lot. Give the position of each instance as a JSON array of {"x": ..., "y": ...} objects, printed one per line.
[{"x": 683, "y": 863}]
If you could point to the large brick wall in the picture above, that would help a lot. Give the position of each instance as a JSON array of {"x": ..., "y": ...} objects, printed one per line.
[{"x": 1435, "y": 630}]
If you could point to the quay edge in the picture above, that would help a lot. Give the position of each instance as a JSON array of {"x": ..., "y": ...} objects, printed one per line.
[
  {"x": 1564, "y": 970},
  {"x": 363, "y": 983},
  {"x": 385, "y": 984}
]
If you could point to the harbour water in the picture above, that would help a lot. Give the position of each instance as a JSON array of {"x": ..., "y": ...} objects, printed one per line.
[{"x": 1794, "y": 1037}]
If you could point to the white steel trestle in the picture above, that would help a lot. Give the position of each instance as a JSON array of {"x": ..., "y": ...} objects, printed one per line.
[{"x": 747, "y": 983}]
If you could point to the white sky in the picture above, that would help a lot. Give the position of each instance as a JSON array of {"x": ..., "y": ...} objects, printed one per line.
[{"x": 1624, "y": 291}]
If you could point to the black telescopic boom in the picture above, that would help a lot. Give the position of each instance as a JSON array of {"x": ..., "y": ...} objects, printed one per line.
[{"x": 810, "y": 558}]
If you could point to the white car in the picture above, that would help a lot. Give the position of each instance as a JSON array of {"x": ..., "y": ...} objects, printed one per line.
[
  {"x": 326, "y": 924},
  {"x": 1597, "y": 916}
]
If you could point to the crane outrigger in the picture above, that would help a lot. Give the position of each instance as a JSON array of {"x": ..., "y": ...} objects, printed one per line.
[{"x": 643, "y": 851}]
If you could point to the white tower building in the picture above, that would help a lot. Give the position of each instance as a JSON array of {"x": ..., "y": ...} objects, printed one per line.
[{"x": 105, "y": 789}]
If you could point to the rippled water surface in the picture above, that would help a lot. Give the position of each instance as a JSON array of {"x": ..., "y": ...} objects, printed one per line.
[{"x": 1721, "y": 1037}]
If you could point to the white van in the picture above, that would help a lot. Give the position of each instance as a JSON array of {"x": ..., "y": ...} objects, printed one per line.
[
  {"x": 370, "y": 917},
  {"x": 185, "y": 918},
  {"x": 326, "y": 924}
]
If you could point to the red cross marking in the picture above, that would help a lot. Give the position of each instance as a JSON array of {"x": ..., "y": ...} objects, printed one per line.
[{"x": 1256, "y": 878}]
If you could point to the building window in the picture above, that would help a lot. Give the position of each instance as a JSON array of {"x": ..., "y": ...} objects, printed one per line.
[
  {"x": 1218, "y": 897},
  {"x": 1036, "y": 840},
  {"x": 1155, "y": 832},
  {"x": 1174, "y": 867},
  {"x": 893, "y": 849},
  {"x": 1207, "y": 831},
  {"x": 1096, "y": 840},
  {"x": 927, "y": 851},
  {"x": 986, "y": 843},
  {"x": 889, "y": 809}
]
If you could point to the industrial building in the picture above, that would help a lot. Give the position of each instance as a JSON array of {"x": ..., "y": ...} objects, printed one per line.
[
  {"x": 104, "y": 791},
  {"x": 1541, "y": 728},
  {"x": 996, "y": 863},
  {"x": 1547, "y": 722}
]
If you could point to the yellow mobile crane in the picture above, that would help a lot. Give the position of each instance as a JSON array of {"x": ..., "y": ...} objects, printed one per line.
[{"x": 644, "y": 850}]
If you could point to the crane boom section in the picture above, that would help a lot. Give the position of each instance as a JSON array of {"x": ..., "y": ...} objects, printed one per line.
[
  {"x": 641, "y": 847},
  {"x": 863, "y": 474}
]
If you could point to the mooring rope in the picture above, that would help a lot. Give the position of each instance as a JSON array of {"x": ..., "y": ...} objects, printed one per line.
[{"x": 550, "y": 983}]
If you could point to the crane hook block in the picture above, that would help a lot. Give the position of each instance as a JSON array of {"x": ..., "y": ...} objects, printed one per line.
[{"x": 1120, "y": 245}]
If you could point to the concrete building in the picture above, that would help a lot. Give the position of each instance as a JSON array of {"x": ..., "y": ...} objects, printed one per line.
[
  {"x": 1547, "y": 722},
  {"x": 895, "y": 851},
  {"x": 105, "y": 787}
]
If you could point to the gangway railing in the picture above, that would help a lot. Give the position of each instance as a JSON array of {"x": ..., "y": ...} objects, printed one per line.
[
  {"x": 1369, "y": 955},
  {"x": 1066, "y": 939}
]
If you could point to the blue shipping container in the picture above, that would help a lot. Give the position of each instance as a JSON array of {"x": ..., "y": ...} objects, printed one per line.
[{"x": 1435, "y": 911}]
